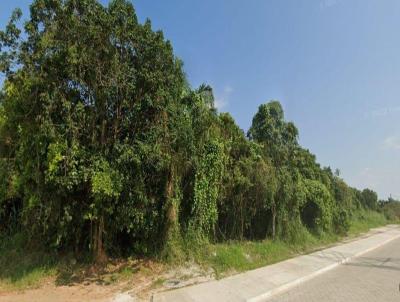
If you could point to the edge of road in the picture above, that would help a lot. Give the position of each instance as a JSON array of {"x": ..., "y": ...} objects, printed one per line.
[
  {"x": 289, "y": 285},
  {"x": 265, "y": 282}
]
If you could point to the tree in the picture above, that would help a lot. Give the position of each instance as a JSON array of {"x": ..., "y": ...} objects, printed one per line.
[
  {"x": 247, "y": 185},
  {"x": 89, "y": 90},
  {"x": 369, "y": 199},
  {"x": 279, "y": 139}
]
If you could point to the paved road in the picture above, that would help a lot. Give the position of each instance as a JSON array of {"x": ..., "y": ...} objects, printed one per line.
[{"x": 374, "y": 276}]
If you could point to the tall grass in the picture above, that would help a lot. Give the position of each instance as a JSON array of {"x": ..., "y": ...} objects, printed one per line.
[
  {"x": 239, "y": 256},
  {"x": 364, "y": 220}
]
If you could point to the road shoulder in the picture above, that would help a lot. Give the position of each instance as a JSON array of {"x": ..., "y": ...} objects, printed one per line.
[{"x": 260, "y": 284}]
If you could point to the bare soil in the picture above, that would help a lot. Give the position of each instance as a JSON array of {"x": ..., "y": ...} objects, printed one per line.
[{"x": 118, "y": 281}]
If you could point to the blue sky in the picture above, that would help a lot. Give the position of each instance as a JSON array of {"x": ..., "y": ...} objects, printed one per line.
[{"x": 333, "y": 64}]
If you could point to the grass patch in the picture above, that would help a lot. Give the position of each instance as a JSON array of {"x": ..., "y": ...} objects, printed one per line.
[
  {"x": 21, "y": 269},
  {"x": 157, "y": 283},
  {"x": 242, "y": 256},
  {"x": 365, "y": 220},
  {"x": 239, "y": 256},
  {"x": 125, "y": 273}
]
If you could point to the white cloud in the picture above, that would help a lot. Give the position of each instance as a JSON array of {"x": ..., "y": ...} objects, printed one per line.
[
  {"x": 366, "y": 172},
  {"x": 392, "y": 142},
  {"x": 328, "y": 3},
  {"x": 228, "y": 89},
  {"x": 222, "y": 100},
  {"x": 367, "y": 178},
  {"x": 382, "y": 112}
]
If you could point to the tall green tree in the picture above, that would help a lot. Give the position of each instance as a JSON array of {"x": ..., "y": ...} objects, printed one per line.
[
  {"x": 279, "y": 139},
  {"x": 369, "y": 199},
  {"x": 88, "y": 96}
]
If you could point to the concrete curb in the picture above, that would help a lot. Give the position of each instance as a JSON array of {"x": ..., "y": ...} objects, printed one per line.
[{"x": 269, "y": 294}]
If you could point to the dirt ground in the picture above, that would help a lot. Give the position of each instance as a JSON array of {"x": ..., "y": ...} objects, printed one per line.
[
  {"x": 52, "y": 293},
  {"x": 138, "y": 287}
]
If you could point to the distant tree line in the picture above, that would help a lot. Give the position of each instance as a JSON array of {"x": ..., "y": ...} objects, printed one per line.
[{"x": 104, "y": 146}]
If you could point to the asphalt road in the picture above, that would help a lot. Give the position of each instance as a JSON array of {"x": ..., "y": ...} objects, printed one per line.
[{"x": 374, "y": 276}]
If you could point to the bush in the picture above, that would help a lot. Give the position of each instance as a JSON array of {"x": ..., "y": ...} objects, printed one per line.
[{"x": 341, "y": 221}]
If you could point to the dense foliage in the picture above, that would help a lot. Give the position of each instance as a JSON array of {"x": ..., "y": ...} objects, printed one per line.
[{"x": 104, "y": 147}]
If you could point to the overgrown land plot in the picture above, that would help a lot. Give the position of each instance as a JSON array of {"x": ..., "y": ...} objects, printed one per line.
[{"x": 109, "y": 156}]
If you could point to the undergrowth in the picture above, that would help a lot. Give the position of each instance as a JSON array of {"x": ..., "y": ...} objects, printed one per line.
[{"x": 22, "y": 268}]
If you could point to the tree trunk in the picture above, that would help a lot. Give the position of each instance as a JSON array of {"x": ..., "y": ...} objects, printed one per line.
[
  {"x": 99, "y": 251},
  {"x": 273, "y": 209},
  {"x": 98, "y": 247},
  {"x": 172, "y": 216},
  {"x": 241, "y": 219}
]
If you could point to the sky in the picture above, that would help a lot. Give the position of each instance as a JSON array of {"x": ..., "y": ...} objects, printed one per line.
[{"x": 333, "y": 64}]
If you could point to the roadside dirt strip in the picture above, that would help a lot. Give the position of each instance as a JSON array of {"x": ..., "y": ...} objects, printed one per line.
[{"x": 263, "y": 283}]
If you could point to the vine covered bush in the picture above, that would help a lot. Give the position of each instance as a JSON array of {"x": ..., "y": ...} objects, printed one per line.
[{"x": 206, "y": 188}]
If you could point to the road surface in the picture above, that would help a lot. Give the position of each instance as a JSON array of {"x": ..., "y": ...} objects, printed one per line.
[{"x": 372, "y": 277}]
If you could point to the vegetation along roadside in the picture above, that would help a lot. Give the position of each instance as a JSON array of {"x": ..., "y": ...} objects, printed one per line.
[{"x": 107, "y": 152}]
